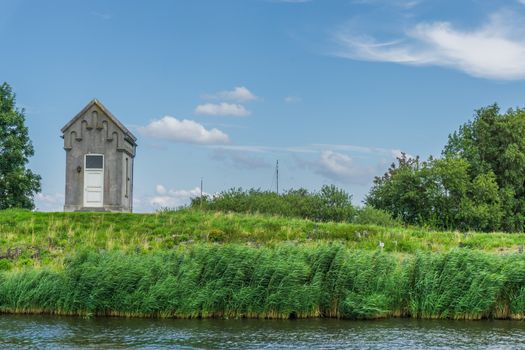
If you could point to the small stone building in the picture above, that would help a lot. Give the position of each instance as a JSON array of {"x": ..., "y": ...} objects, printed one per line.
[{"x": 99, "y": 161}]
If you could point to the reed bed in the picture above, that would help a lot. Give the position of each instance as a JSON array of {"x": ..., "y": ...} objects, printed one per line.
[{"x": 280, "y": 281}]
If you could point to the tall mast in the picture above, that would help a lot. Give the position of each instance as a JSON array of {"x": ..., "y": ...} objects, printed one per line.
[
  {"x": 277, "y": 175},
  {"x": 201, "y": 194}
]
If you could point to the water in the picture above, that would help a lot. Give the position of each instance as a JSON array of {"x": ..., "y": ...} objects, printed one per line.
[{"x": 51, "y": 332}]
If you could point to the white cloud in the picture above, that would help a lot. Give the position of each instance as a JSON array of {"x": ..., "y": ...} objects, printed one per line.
[
  {"x": 102, "y": 15},
  {"x": 397, "y": 153},
  {"x": 222, "y": 108},
  {"x": 344, "y": 163},
  {"x": 312, "y": 149},
  {"x": 173, "y": 198},
  {"x": 239, "y": 94},
  {"x": 404, "y": 4},
  {"x": 161, "y": 190},
  {"x": 292, "y": 1},
  {"x": 49, "y": 202},
  {"x": 239, "y": 159},
  {"x": 521, "y": 2},
  {"x": 493, "y": 51},
  {"x": 189, "y": 131},
  {"x": 342, "y": 168},
  {"x": 265, "y": 149},
  {"x": 294, "y": 99},
  {"x": 385, "y": 152}
]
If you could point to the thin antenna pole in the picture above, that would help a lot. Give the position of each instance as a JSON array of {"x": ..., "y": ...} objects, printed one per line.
[
  {"x": 277, "y": 175},
  {"x": 201, "y": 192}
]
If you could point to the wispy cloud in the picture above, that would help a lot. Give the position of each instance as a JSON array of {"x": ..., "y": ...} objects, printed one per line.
[
  {"x": 265, "y": 149},
  {"x": 343, "y": 168},
  {"x": 187, "y": 131},
  {"x": 336, "y": 162},
  {"x": 238, "y": 94},
  {"x": 240, "y": 159},
  {"x": 292, "y": 99},
  {"x": 495, "y": 50},
  {"x": 291, "y": 1},
  {"x": 223, "y": 108},
  {"x": 313, "y": 148},
  {"x": 102, "y": 15},
  {"x": 391, "y": 152},
  {"x": 343, "y": 163},
  {"x": 171, "y": 198},
  {"x": 225, "y": 125},
  {"x": 404, "y": 4},
  {"x": 49, "y": 202}
]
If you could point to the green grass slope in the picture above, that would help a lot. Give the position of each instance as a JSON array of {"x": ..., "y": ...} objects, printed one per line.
[
  {"x": 29, "y": 238},
  {"x": 203, "y": 264}
]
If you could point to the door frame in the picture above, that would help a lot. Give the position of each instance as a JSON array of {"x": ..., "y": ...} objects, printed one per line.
[{"x": 84, "y": 204}]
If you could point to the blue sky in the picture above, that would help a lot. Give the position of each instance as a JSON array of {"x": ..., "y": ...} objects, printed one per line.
[{"x": 220, "y": 89}]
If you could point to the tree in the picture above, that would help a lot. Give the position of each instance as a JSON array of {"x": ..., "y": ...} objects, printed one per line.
[
  {"x": 18, "y": 185},
  {"x": 403, "y": 191},
  {"x": 495, "y": 143},
  {"x": 335, "y": 204},
  {"x": 479, "y": 183},
  {"x": 438, "y": 193}
]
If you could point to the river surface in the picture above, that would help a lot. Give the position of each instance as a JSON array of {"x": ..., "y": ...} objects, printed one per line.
[{"x": 52, "y": 332}]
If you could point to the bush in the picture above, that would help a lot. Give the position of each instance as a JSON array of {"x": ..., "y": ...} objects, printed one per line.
[
  {"x": 5, "y": 265},
  {"x": 372, "y": 216},
  {"x": 329, "y": 204}
]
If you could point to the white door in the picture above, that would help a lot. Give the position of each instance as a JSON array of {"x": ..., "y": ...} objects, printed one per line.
[{"x": 94, "y": 181}]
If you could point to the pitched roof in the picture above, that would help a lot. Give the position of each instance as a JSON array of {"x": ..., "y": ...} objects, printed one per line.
[{"x": 108, "y": 114}]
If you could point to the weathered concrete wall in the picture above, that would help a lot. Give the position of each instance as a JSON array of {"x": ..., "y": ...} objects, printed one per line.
[{"x": 96, "y": 133}]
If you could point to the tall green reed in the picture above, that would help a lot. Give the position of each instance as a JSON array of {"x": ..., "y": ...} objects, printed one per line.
[{"x": 281, "y": 281}]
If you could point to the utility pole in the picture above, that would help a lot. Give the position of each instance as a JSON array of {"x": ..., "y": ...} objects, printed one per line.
[{"x": 277, "y": 175}]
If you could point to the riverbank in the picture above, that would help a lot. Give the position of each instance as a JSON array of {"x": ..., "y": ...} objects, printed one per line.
[
  {"x": 45, "y": 239},
  {"x": 195, "y": 264}
]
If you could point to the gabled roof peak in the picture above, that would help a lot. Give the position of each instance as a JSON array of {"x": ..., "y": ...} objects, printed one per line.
[{"x": 103, "y": 108}]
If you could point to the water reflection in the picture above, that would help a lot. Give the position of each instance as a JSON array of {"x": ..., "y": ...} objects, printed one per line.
[{"x": 48, "y": 332}]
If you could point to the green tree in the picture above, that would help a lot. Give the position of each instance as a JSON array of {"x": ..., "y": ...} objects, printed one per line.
[
  {"x": 481, "y": 209},
  {"x": 479, "y": 183},
  {"x": 403, "y": 191},
  {"x": 17, "y": 184},
  {"x": 335, "y": 204},
  {"x": 494, "y": 142},
  {"x": 438, "y": 193}
]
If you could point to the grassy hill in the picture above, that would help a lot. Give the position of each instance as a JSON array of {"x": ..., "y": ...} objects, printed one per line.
[
  {"x": 28, "y": 238},
  {"x": 191, "y": 263}
]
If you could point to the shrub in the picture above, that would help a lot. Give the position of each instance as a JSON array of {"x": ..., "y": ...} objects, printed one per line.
[
  {"x": 372, "y": 216},
  {"x": 329, "y": 204}
]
